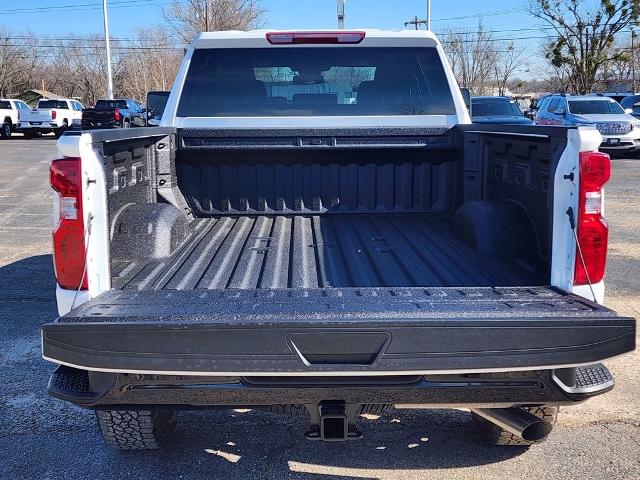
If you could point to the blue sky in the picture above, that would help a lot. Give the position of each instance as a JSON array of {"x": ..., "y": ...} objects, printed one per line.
[
  {"x": 508, "y": 18},
  {"x": 85, "y": 16}
]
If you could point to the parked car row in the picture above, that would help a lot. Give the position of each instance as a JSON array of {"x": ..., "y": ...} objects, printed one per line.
[
  {"x": 618, "y": 123},
  {"x": 620, "y": 130},
  {"x": 59, "y": 115}
]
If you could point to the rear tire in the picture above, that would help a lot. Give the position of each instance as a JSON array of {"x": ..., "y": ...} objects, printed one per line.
[
  {"x": 60, "y": 131},
  {"x": 137, "y": 430},
  {"x": 5, "y": 131},
  {"x": 493, "y": 434}
]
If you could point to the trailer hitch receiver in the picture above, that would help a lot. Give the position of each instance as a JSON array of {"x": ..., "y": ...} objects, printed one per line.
[{"x": 333, "y": 421}]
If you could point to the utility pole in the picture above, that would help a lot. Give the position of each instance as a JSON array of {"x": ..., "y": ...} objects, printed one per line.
[
  {"x": 108, "y": 46},
  {"x": 633, "y": 60},
  {"x": 416, "y": 22},
  {"x": 206, "y": 15},
  {"x": 341, "y": 14}
]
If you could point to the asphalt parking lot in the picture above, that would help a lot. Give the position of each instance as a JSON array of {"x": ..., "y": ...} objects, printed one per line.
[{"x": 44, "y": 438}]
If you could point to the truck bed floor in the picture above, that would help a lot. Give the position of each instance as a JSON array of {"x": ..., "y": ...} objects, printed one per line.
[{"x": 274, "y": 252}]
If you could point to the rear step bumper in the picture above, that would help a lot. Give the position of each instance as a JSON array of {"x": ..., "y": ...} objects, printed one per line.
[
  {"x": 336, "y": 332},
  {"x": 282, "y": 394}
]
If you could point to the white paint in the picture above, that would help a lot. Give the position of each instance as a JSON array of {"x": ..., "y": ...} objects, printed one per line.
[
  {"x": 566, "y": 195},
  {"x": 44, "y": 117},
  {"x": 94, "y": 202}
]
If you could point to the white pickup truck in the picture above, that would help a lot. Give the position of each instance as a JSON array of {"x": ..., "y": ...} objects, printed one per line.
[
  {"x": 316, "y": 228},
  {"x": 55, "y": 116},
  {"x": 10, "y": 115}
]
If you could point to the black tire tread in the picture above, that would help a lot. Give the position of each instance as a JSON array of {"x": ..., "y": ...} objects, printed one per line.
[
  {"x": 137, "y": 430},
  {"x": 497, "y": 436}
]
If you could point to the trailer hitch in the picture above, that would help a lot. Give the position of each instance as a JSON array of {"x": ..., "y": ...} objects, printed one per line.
[{"x": 333, "y": 421}]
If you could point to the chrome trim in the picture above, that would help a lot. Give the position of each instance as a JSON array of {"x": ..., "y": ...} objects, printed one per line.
[{"x": 322, "y": 374}]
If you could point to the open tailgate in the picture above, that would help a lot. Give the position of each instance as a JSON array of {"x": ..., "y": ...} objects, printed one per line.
[{"x": 326, "y": 332}]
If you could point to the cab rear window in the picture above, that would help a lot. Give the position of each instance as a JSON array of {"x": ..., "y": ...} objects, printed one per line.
[
  {"x": 315, "y": 82},
  {"x": 111, "y": 104},
  {"x": 52, "y": 104}
]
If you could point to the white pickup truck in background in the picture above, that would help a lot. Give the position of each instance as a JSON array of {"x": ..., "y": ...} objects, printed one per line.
[
  {"x": 10, "y": 115},
  {"x": 55, "y": 116}
]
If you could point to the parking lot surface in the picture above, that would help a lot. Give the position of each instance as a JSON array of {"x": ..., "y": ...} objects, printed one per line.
[{"x": 44, "y": 438}]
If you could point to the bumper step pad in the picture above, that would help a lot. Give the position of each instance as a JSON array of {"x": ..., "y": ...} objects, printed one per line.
[{"x": 586, "y": 380}]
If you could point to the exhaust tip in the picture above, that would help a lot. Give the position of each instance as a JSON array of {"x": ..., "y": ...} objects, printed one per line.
[
  {"x": 537, "y": 431},
  {"x": 518, "y": 421}
]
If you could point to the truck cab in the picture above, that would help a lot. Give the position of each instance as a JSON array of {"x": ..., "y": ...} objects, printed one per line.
[{"x": 316, "y": 227}]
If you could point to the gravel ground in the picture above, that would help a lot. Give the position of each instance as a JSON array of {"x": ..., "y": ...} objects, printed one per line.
[{"x": 44, "y": 438}]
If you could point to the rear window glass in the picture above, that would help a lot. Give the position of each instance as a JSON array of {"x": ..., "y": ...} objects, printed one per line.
[
  {"x": 52, "y": 104},
  {"x": 5, "y": 105},
  {"x": 483, "y": 108},
  {"x": 157, "y": 101},
  {"x": 315, "y": 82},
  {"x": 111, "y": 104}
]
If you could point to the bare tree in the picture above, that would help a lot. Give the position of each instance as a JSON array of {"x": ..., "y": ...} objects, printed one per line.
[
  {"x": 508, "y": 63},
  {"x": 473, "y": 56},
  {"x": 20, "y": 57},
  {"x": 79, "y": 68},
  {"x": 150, "y": 63},
  {"x": 585, "y": 36},
  {"x": 187, "y": 18}
]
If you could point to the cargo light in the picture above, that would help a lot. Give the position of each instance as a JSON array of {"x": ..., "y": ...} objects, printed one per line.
[
  {"x": 69, "y": 255},
  {"x": 315, "y": 38},
  {"x": 592, "y": 228}
]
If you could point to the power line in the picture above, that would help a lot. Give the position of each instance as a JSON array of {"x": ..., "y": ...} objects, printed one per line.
[
  {"x": 80, "y": 7},
  {"x": 97, "y": 45},
  {"x": 495, "y": 13}
]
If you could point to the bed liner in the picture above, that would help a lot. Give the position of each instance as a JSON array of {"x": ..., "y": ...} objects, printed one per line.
[{"x": 271, "y": 252}]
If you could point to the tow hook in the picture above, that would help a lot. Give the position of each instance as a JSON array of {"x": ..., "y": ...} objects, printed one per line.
[{"x": 333, "y": 421}]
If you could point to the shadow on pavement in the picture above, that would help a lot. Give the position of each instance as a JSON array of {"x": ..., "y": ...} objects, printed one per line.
[
  {"x": 31, "y": 278},
  {"x": 63, "y": 440}
]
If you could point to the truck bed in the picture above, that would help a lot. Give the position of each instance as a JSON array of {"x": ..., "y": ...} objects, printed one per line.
[{"x": 279, "y": 252}]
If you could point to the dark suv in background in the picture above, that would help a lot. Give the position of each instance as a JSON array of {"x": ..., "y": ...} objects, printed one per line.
[
  {"x": 497, "y": 110},
  {"x": 118, "y": 113}
]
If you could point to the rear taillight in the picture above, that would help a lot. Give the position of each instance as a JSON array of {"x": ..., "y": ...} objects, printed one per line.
[
  {"x": 54, "y": 114},
  {"x": 314, "y": 38},
  {"x": 592, "y": 229},
  {"x": 69, "y": 255},
  {"x": 117, "y": 116}
]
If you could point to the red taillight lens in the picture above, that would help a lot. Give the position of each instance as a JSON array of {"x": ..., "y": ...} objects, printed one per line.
[
  {"x": 315, "y": 38},
  {"x": 69, "y": 255},
  {"x": 117, "y": 116},
  {"x": 54, "y": 114},
  {"x": 593, "y": 231}
]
